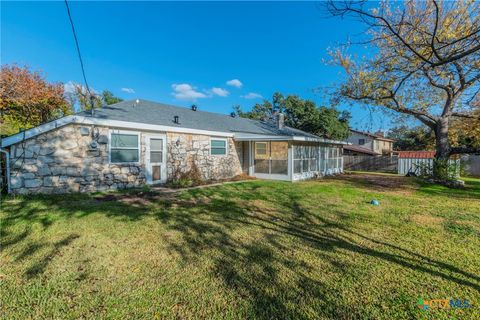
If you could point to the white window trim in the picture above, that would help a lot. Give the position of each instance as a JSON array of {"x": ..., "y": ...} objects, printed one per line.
[
  {"x": 114, "y": 131},
  {"x": 226, "y": 147},
  {"x": 148, "y": 164}
]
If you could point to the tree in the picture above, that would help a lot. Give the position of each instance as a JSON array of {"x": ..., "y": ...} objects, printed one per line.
[
  {"x": 260, "y": 111},
  {"x": 109, "y": 98},
  {"x": 416, "y": 138},
  {"x": 465, "y": 132},
  {"x": 79, "y": 98},
  {"x": 27, "y": 99},
  {"x": 427, "y": 63},
  {"x": 302, "y": 114}
]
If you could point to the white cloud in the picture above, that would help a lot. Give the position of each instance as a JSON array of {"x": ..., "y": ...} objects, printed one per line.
[
  {"x": 184, "y": 91},
  {"x": 235, "y": 83},
  {"x": 252, "y": 95},
  {"x": 128, "y": 90},
  {"x": 220, "y": 92}
]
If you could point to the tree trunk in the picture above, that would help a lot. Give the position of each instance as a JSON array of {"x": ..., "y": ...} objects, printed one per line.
[
  {"x": 441, "y": 167},
  {"x": 442, "y": 144}
]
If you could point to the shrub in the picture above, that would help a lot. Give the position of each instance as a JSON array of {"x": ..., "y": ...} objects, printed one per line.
[{"x": 190, "y": 178}]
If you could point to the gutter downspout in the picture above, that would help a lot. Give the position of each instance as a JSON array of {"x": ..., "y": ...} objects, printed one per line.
[{"x": 7, "y": 157}]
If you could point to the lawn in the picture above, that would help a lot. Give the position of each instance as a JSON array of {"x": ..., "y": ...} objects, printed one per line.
[{"x": 251, "y": 250}]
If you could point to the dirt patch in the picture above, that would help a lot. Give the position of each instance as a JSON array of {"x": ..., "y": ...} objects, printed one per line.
[
  {"x": 167, "y": 197},
  {"x": 401, "y": 184},
  {"x": 138, "y": 199}
]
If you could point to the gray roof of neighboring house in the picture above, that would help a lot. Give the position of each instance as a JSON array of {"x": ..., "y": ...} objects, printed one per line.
[
  {"x": 373, "y": 135},
  {"x": 162, "y": 114},
  {"x": 359, "y": 149}
]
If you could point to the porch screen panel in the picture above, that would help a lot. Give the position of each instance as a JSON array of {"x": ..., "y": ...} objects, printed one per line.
[
  {"x": 321, "y": 162},
  {"x": 305, "y": 160},
  {"x": 297, "y": 159},
  {"x": 313, "y": 158},
  {"x": 262, "y": 157},
  {"x": 279, "y": 157},
  {"x": 331, "y": 158}
]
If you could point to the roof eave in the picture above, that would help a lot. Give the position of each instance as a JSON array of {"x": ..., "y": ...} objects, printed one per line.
[{"x": 46, "y": 127}]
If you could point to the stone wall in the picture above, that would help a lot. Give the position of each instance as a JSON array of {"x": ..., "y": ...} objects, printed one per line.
[
  {"x": 185, "y": 149},
  {"x": 64, "y": 160}
]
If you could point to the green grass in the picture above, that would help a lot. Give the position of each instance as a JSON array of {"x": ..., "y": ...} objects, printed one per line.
[{"x": 252, "y": 250}]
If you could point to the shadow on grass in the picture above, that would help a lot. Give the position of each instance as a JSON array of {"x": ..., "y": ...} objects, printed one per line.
[
  {"x": 471, "y": 190},
  {"x": 264, "y": 268}
]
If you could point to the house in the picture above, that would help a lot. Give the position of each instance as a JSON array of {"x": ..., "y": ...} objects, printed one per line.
[
  {"x": 133, "y": 143},
  {"x": 366, "y": 143}
]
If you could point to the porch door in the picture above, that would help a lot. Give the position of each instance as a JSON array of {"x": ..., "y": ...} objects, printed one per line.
[{"x": 155, "y": 159}]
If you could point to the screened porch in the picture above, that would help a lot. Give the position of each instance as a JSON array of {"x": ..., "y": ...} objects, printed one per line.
[{"x": 291, "y": 160}]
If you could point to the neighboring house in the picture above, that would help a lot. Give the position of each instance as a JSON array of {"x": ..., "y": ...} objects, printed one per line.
[
  {"x": 366, "y": 143},
  {"x": 133, "y": 143}
]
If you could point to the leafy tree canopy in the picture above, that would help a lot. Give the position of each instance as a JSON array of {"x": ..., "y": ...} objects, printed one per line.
[
  {"x": 427, "y": 63},
  {"x": 109, "y": 98},
  {"x": 416, "y": 138},
  {"x": 27, "y": 99},
  {"x": 302, "y": 114}
]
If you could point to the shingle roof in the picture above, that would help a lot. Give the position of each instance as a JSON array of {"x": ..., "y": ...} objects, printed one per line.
[
  {"x": 162, "y": 114},
  {"x": 416, "y": 154},
  {"x": 359, "y": 149},
  {"x": 373, "y": 135}
]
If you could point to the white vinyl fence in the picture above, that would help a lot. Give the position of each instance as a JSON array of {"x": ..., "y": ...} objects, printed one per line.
[{"x": 417, "y": 165}]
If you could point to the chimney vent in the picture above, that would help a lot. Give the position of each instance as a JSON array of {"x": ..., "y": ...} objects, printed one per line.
[
  {"x": 194, "y": 107},
  {"x": 280, "y": 117},
  {"x": 175, "y": 119},
  {"x": 380, "y": 133}
]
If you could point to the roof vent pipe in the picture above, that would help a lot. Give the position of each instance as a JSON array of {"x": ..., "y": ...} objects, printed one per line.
[{"x": 175, "y": 119}]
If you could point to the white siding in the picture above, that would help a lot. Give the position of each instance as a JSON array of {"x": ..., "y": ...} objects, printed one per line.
[{"x": 406, "y": 165}]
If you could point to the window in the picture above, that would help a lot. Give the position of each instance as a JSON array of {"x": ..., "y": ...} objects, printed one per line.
[
  {"x": 361, "y": 142},
  {"x": 261, "y": 148},
  {"x": 218, "y": 147},
  {"x": 124, "y": 148},
  {"x": 156, "y": 150}
]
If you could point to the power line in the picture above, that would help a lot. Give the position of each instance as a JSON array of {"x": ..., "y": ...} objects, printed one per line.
[{"x": 78, "y": 50}]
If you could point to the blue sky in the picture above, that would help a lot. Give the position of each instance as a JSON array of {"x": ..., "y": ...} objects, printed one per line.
[{"x": 185, "y": 52}]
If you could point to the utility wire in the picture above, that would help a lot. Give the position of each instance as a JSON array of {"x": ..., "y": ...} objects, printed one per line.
[{"x": 78, "y": 50}]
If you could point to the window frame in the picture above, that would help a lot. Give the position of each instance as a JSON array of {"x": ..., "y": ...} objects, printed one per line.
[
  {"x": 226, "y": 147},
  {"x": 361, "y": 141},
  {"x": 126, "y": 132},
  {"x": 266, "y": 147},
  {"x": 150, "y": 138}
]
